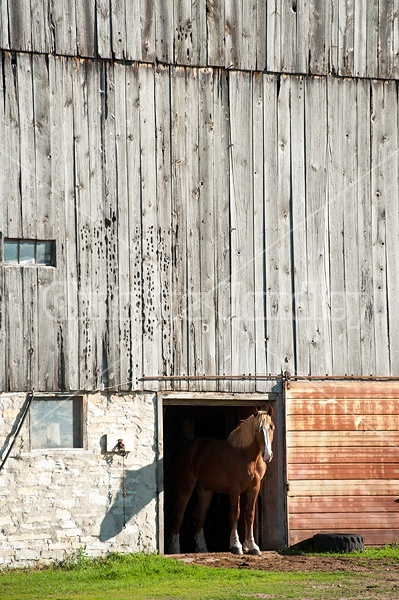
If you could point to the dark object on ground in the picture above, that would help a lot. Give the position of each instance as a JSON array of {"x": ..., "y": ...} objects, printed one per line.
[{"x": 337, "y": 542}]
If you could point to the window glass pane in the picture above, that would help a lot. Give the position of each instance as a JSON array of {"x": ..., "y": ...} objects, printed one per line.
[
  {"x": 56, "y": 423},
  {"x": 45, "y": 253},
  {"x": 10, "y": 252},
  {"x": 27, "y": 253}
]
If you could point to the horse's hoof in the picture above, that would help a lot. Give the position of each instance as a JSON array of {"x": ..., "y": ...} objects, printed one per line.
[
  {"x": 236, "y": 550},
  {"x": 254, "y": 552}
]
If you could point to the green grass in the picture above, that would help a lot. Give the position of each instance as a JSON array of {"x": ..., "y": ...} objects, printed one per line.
[{"x": 150, "y": 577}]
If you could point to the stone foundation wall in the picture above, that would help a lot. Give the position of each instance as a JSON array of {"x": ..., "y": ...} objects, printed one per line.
[{"x": 57, "y": 502}]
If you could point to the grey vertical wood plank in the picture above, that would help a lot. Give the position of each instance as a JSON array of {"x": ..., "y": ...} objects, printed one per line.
[
  {"x": 10, "y": 154},
  {"x": 360, "y": 39},
  {"x": 133, "y": 30},
  {"x": 40, "y": 26},
  {"x": 193, "y": 290},
  {"x": 259, "y": 107},
  {"x": 261, "y": 33},
  {"x": 319, "y": 338},
  {"x": 63, "y": 20},
  {"x": 95, "y": 212},
  {"x": 151, "y": 313},
  {"x": 389, "y": 188},
  {"x": 283, "y": 244},
  {"x": 84, "y": 230},
  {"x": 242, "y": 228},
  {"x": 278, "y": 236},
  {"x": 180, "y": 191},
  {"x": 19, "y": 14},
  {"x": 135, "y": 225},
  {"x": 111, "y": 368},
  {"x": 221, "y": 188},
  {"x": 379, "y": 192},
  {"x": 62, "y": 110},
  {"x": 30, "y": 353},
  {"x": 351, "y": 233},
  {"x": 346, "y": 37},
  {"x": 4, "y": 28},
  {"x": 215, "y": 28},
  {"x": 190, "y": 32},
  {"x": 148, "y": 34},
  {"x": 273, "y": 35},
  {"x": 85, "y": 28},
  {"x": 270, "y": 135},
  {"x": 164, "y": 212},
  {"x": 27, "y": 157},
  {"x": 123, "y": 238},
  {"x": 57, "y": 292},
  {"x": 45, "y": 324},
  {"x": 299, "y": 237},
  {"x": 395, "y": 41},
  {"x": 164, "y": 31},
  {"x": 302, "y": 36},
  {"x": 248, "y": 19},
  {"x": 102, "y": 20},
  {"x": 336, "y": 166},
  {"x": 15, "y": 329},
  {"x": 385, "y": 42},
  {"x": 118, "y": 35},
  {"x": 318, "y": 41},
  {"x": 343, "y": 204},
  {"x": 44, "y": 204},
  {"x": 366, "y": 284},
  {"x": 208, "y": 172},
  {"x": 288, "y": 39},
  {"x": 372, "y": 48},
  {"x": 233, "y": 33},
  {"x": 333, "y": 33}
]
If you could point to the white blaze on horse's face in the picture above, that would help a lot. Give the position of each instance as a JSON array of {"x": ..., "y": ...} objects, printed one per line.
[{"x": 268, "y": 431}]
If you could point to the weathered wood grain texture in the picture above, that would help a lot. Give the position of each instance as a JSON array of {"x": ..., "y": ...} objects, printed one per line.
[
  {"x": 242, "y": 227},
  {"x": 345, "y": 476},
  {"x": 348, "y": 37},
  {"x": 164, "y": 212},
  {"x": 150, "y": 282},
  {"x": 222, "y": 217},
  {"x": 206, "y": 222},
  {"x": 317, "y": 227},
  {"x": 132, "y": 245},
  {"x": 180, "y": 190},
  {"x": 208, "y": 163}
]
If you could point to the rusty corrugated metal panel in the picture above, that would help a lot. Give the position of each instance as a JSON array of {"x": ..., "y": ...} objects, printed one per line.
[{"x": 343, "y": 459}]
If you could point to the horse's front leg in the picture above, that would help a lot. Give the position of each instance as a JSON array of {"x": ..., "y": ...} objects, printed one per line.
[
  {"x": 250, "y": 547},
  {"x": 204, "y": 500},
  {"x": 235, "y": 544}
]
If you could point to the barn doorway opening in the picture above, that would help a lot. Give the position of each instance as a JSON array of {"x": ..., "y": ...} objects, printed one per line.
[{"x": 184, "y": 422}]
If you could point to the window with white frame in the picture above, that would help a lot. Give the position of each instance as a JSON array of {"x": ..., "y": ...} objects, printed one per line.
[{"x": 56, "y": 422}]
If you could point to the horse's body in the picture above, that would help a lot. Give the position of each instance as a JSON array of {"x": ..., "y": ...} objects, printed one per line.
[{"x": 234, "y": 466}]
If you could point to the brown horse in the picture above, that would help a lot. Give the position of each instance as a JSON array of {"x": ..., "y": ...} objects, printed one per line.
[{"x": 234, "y": 466}]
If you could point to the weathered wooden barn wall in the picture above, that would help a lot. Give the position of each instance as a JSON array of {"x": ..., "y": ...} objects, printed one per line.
[
  {"x": 348, "y": 37},
  {"x": 206, "y": 221},
  {"x": 343, "y": 460}
]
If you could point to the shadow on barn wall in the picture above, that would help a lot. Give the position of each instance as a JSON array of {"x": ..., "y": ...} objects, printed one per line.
[{"x": 141, "y": 489}]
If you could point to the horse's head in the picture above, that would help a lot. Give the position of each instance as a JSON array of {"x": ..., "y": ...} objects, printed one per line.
[{"x": 265, "y": 432}]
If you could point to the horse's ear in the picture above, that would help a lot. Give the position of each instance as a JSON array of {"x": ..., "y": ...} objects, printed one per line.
[{"x": 270, "y": 412}]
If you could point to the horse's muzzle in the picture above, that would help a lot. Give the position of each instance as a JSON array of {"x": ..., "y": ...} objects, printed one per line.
[{"x": 268, "y": 459}]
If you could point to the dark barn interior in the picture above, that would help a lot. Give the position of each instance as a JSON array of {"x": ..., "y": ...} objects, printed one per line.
[{"x": 181, "y": 424}]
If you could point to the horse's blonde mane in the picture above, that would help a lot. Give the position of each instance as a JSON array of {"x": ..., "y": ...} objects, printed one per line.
[{"x": 243, "y": 435}]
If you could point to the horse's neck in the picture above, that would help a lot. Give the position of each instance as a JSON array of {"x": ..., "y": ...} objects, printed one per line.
[{"x": 253, "y": 452}]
